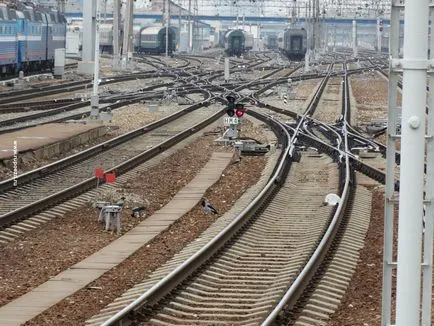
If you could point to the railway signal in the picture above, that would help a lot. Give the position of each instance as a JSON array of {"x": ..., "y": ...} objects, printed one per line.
[
  {"x": 239, "y": 110},
  {"x": 230, "y": 110}
]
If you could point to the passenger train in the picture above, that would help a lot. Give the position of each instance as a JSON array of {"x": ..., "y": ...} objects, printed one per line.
[
  {"x": 153, "y": 40},
  {"x": 237, "y": 41},
  {"x": 29, "y": 37},
  {"x": 294, "y": 43},
  {"x": 149, "y": 39}
]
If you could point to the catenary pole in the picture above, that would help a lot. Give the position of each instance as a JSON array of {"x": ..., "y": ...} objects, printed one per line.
[{"x": 414, "y": 65}]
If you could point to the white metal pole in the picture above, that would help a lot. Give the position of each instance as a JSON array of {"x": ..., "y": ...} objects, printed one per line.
[
  {"x": 429, "y": 195},
  {"x": 379, "y": 33},
  {"x": 167, "y": 26},
  {"x": 116, "y": 29},
  {"x": 408, "y": 290},
  {"x": 390, "y": 202},
  {"x": 317, "y": 29},
  {"x": 190, "y": 28},
  {"x": 95, "y": 97},
  {"x": 127, "y": 21},
  {"x": 354, "y": 38},
  {"x": 130, "y": 31}
]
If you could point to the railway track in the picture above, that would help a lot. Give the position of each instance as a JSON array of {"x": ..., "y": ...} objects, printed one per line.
[
  {"x": 262, "y": 272},
  {"x": 245, "y": 281},
  {"x": 54, "y": 185},
  {"x": 258, "y": 253},
  {"x": 69, "y": 109},
  {"x": 42, "y": 188}
]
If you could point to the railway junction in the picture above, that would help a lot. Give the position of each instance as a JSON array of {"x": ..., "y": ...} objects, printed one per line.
[{"x": 255, "y": 183}]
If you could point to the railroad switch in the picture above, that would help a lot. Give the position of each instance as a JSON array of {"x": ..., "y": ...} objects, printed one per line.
[{"x": 111, "y": 214}]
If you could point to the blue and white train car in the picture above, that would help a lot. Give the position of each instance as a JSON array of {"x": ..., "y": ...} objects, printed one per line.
[
  {"x": 31, "y": 34},
  {"x": 28, "y": 38},
  {"x": 8, "y": 40},
  {"x": 56, "y": 33}
]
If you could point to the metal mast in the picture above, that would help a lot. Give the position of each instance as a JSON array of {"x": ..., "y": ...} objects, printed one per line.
[
  {"x": 415, "y": 240},
  {"x": 95, "y": 97},
  {"x": 116, "y": 30},
  {"x": 294, "y": 13},
  {"x": 61, "y": 4},
  {"x": 190, "y": 41},
  {"x": 196, "y": 35},
  {"x": 128, "y": 27},
  {"x": 167, "y": 23}
]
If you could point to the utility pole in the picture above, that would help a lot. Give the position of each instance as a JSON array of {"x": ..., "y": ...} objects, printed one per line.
[
  {"x": 167, "y": 21},
  {"x": 317, "y": 28},
  {"x": 94, "y": 114},
  {"x": 309, "y": 39},
  {"x": 195, "y": 26},
  {"x": 61, "y": 4},
  {"x": 86, "y": 66},
  {"x": 105, "y": 11},
  {"x": 190, "y": 28},
  {"x": 294, "y": 13},
  {"x": 379, "y": 33},
  {"x": 413, "y": 268},
  {"x": 128, "y": 23},
  {"x": 116, "y": 31},
  {"x": 354, "y": 38}
]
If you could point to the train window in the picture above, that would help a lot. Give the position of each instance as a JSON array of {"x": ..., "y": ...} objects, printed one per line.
[
  {"x": 1, "y": 29},
  {"x": 2, "y": 17}
]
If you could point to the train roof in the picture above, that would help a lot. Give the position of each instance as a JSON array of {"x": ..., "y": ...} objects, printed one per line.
[
  {"x": 234, "y": 32},
  {"x": 153, "y": 30}
]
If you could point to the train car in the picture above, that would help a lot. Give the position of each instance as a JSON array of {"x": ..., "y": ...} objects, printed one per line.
[
  {"x": 136, "y": 32},
  {"x": 153, "y": 40},
  {"x": 34, "y": 33},
  {"x": 295, "y": 43},
  {"x": 106, "y": 38},
  {"x": 280, "y": 44},
  {"x": 271, "y": 41},
  {"x": 28, "y": 38},
  {"x": 55, "y": 33},
  {"x": 8, "y": 40},
  {"x": 248, "y": 45},
  {"x": 235, "y": 42}
]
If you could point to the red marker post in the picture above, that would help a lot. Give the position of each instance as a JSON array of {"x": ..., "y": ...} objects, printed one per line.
[
  {"x": 99, "y": 174},
  {"x": 110, "y": 177}
]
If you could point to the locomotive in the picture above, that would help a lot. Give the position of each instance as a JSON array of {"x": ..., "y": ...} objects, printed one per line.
[{"x": 29, "y": 37}]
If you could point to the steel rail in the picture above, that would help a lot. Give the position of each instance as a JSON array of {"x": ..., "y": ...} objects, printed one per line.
[
  {"x": 181, "y": 272},
  {"x": 300, "y": 283},
  {"x": 75, "y": 86},
  {"x": 71, "y": 107},
  {"x": 80, "y": 156},
  {"x": 85, "y": 185}
]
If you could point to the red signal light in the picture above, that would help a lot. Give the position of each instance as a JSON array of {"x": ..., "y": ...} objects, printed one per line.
[
  {"x": 239, "y": 110},
  {"x": 239, "y": 113}
]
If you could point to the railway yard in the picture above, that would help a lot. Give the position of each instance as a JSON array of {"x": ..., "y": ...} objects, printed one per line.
[{"x": 275, "y": 251}]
